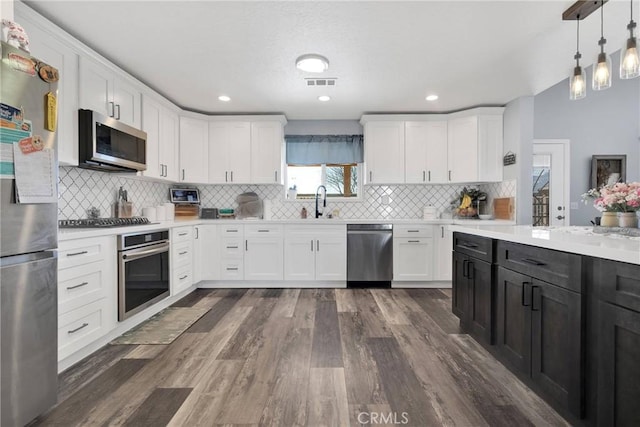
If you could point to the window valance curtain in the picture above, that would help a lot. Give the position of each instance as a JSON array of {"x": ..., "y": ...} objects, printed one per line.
[{"x": 318, "y": 149}]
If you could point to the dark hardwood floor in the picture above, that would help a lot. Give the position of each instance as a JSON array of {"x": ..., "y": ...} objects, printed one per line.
[{"x": 291, "y": 357}]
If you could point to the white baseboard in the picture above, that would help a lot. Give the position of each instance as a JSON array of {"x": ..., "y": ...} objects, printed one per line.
[{"x": 268, "y": 284}]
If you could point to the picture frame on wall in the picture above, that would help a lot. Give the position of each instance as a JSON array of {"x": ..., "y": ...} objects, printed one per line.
[{"x": 608, "y": 169}]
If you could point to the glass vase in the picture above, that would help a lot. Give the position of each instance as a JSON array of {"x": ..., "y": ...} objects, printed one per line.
[
  {"x": 628, "y": 220},
  {"x": 609, "y": 219}
]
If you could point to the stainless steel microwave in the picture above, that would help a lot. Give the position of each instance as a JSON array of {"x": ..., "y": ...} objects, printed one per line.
[{"x": 109, "y": 145}]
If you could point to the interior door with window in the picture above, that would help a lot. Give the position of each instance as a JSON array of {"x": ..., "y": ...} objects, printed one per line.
[{"x": 550, "y": 192}]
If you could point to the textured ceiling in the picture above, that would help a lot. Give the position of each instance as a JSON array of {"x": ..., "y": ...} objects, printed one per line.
[{"x": 387, "y": 55}]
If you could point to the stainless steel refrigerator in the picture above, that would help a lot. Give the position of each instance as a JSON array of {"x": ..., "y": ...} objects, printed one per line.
[{"x": 28, "y": 239}]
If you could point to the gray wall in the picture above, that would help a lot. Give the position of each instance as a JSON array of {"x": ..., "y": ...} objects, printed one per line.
[
  {"x": 605, "y": 122},
  {"x": 518, "y": 134}
]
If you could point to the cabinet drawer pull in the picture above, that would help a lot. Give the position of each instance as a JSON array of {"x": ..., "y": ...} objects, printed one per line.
[
  {"x": 184, "y": 277},
  {"x": 78, "y": 253},
  {"x": 263, "y": 231},
  {"x": 246, "y": 245},
  {"x": 183, "y": 174},
  {"x": 469, "y": 245},
  {"x": 231, "y": 176},
  {"x": 73, "y": 331},
  {"x": 232, "y": 247},
  {"x": 413, "y": 231},
  {"x": 232, "y": 230},
  {"x": 532, "y": 261},
  {"x": 370, "y": 176},
  {"x": 413, "y": 241},
  {"x": 182, "y": 234},
  {"x": 524, "y": 293},
  {"x": 183, "y": 253},
  {"x": 232, "y": 268},
  {"x": 535, "y": 298},
  {"x": 77, "y": 286}
]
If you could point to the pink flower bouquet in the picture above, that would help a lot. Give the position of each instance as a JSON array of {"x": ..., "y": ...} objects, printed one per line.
[{"x": 619, "y": 197}]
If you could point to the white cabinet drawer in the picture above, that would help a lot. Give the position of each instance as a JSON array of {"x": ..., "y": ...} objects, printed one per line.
[
  {"x": 82, "y": 326},
  {"x": 231, "y": 247},
  {"x": 409, "y": 230},
  {"x": 72, "y": 253},
  {"x": 231, "y": 269},
  {"x": 181, "y": 234},
  {"x": 78, "y": 286},
  {"x": 182, "y": 254},
  {"x": 303, "y": 229},
  {"x": 182, "y": 279},
  {"x": 263, "y": 230},
  {"x": 232, "y": 230}
]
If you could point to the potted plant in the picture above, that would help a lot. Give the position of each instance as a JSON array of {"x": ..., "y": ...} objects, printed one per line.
[{"x": 618, "y": 203}]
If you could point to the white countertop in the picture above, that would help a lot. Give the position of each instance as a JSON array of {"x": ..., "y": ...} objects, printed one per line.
[
  {"x": 81, "y": 233},
  {"x": 578, "y": 240}
]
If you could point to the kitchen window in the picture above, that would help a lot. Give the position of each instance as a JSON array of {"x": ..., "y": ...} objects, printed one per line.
[{"x": 330, "y": 160}]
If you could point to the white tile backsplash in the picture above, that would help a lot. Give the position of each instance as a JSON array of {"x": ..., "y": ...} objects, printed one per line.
[{"x": 81, "y": 189}]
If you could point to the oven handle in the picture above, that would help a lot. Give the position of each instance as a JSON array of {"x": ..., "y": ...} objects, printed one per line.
[{"x": 143, "y": 252}]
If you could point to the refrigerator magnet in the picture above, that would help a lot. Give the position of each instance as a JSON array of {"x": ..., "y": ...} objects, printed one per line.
[
  {"x": 47, "y": 73},
  {"x": 51, "y": 112},
  {"x": 22, "y": 63}
]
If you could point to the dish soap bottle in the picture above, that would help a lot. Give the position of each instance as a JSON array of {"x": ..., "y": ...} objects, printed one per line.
[{"x": 303, "y": 213}]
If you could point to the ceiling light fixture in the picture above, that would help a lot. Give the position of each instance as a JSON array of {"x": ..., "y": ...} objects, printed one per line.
[
  {"x": 312, "y": 63},
  {"x": 224, "y": 98},
  {"x": 629, "y": 60},
  {"x": 602, "y": 69},
  {"x": 324, "y": 98},
  {"x": 432, "y": 97},
  {"x": 577, "y": 81}
]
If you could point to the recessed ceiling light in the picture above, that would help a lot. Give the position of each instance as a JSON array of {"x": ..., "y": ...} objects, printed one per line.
[
  {"x": 324, "y": 98},
  {"x": 224, "y": 98},
  {"x": 312, "y": 63},
  {"x": 432, "y": 98}
]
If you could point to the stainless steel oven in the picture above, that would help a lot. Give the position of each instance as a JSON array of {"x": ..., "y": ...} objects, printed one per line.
[{"x": 143, "y": 271}]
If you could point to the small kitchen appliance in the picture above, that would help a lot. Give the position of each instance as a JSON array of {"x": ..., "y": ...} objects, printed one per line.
[{"x": 186, "y": 201}]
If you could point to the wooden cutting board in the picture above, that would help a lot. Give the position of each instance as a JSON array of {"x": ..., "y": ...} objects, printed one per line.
[{"x": 503, "y": 208}]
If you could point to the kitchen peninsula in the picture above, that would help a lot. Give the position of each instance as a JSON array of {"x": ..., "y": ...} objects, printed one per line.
[{"x": 560, "y": 307}]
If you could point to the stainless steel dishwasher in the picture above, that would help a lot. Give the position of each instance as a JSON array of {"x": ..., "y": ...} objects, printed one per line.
[{"x": 369, "y": 255}]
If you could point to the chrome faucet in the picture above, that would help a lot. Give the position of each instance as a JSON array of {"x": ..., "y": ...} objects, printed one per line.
[{"x": 324, "y": 200}]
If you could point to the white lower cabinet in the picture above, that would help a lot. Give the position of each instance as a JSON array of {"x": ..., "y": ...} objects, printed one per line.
[
  {"x": 412, "y": 253},
  {"x": 315, "y": 252},
  {"x": 87, "y": 292},
  {"x": 206, "y": 253},
  {"x": 443, "y": 247},
  {"x": 231, "y": 244},
  {"x": 181, "y": 259},
  {"x": 263, "y": 252}
]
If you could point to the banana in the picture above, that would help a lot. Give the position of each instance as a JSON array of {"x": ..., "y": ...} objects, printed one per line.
[{"x": 466, "y": 201}]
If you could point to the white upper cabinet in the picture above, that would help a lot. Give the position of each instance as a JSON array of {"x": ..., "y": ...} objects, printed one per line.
[
  {"x": 475, "y": 147},
  {"x": 107, "y": 93},
  {"x": 161, "y": 125},
  {"x": 266, "y": 152},
  {"x": 426, "y": 152},
  {"x": 48, "y": 43},
  {"x": 463, "y": 149},
  {"x": 384, "y": 152},
  {"x": 194, "y": 150},
  {"x": 229, "y": 152}
]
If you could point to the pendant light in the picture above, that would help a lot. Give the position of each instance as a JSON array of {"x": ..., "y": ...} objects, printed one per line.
[
  {"x": 577, "y": 81},
  {"x": 602, "y": 67},
  {"x": 629, "y": 60}
]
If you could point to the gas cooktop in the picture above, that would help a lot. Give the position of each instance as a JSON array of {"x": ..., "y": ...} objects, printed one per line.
[{"x": 102, "y": 222}]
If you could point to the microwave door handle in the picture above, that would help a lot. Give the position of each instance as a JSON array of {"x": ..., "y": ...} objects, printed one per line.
[{"x": 144, "y": 253}]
